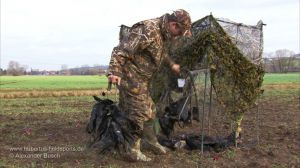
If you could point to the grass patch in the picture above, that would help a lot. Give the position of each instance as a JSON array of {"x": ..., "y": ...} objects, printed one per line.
[
  {"x": 60, "y": 105},
  {"x": 283, "y": 85},
  {"x": 281, "y": 92},
  {"x": 52, "y": 82},
  {"x": 281, "y": 78},
  {"x": 53, "y": 93},
  {"x": 46, "y": 105},
  {"x": 11, "y": 83}
]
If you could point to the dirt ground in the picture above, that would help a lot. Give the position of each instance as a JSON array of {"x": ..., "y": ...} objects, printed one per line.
[{"x": 59, "y": 140}]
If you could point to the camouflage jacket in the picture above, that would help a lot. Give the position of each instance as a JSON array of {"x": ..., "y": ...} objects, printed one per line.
[{"x": 143, "y": 50}]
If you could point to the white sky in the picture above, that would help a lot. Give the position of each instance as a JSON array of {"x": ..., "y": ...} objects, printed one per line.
[{"x": 45, "y": 34}]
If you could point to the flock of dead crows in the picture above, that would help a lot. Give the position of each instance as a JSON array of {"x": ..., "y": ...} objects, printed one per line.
[{"x": 110, "y": 129}]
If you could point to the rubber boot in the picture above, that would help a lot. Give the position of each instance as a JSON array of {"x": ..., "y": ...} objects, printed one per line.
[
  {"x": 149, "y": 141},
  {"x": 136, "y": 154}
]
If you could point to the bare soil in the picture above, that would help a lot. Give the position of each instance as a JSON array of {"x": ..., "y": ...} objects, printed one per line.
[
  {"x": 270, "y": 139},
  {"x": 13, "y": 93}
]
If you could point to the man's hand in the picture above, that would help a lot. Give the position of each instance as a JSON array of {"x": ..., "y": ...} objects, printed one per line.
[
  {"x": 114, "y": 79},
  {"x": 176, "y": 68}
]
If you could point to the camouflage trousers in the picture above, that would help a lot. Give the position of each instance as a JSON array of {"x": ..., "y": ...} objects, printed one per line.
[{"x": 135, "y": 100}]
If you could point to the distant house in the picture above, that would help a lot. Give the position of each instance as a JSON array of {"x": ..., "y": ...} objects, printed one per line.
[
  {"x": 52, "y": 72},
  {"x": 44, "y": 72},
  {"x": 86, "y": 70},
  {"x": 35, "y": 72}
]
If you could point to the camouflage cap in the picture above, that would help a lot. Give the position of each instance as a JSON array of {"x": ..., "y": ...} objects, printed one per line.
[{"x": 183, "y": 18}]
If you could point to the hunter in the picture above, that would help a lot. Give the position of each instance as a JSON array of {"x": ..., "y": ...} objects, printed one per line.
[{"x": 133, "y": 64}]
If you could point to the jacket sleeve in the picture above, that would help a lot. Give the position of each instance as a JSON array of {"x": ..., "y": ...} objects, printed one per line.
[
  {"x": 136, "y": 41},
  {"x": 168, "y": 60},
  {"x": 116, "y": 62},
  {"x": 172, "y": 53}
]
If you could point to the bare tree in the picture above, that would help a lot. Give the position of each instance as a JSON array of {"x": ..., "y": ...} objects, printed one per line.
[
  {"x": 64, "y": 70},
  {"x": 268, "y": 62},
  {"x": 2, "y": 72},
  {"x": 282, "y": 60},
  {"x": 15, "y": 69},
  {"x": 64, "y": 67}
]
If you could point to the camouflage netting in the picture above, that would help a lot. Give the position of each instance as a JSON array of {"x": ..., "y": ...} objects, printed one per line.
[{"x": 231, "y": 52}]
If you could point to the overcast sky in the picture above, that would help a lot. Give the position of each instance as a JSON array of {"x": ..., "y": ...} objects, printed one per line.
[{"x": 45, "y": 34}]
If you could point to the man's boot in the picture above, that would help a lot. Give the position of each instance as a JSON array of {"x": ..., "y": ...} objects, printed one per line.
[
  {"x": 155, "y": 147},
  {"x": 149, "y": 141},
  {"x": 135, "y": 153}
]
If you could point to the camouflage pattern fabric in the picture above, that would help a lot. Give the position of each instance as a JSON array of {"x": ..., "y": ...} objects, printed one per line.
[
  {"x": 235, "y": 77},
  {"x": 248, "y": 39},
  {"x": 183, "y": 18},
  {"x": 136, "y": 101},
  {"x": 140, "y": 53},
  {"x": 234, "y": 61}
]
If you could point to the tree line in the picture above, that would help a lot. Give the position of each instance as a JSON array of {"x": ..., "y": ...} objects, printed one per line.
[
  {"x": 280, "y": 61},
  {"x": 16, "y": 69}
]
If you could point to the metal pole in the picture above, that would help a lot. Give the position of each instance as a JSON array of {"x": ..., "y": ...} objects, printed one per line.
[
  {"x": 257, "y": 122},
  {"x": 191, "y": 107},
  {"x": 209, "y": 111},
  {"x": 185, "y": 102},
  {"x": 204, "y": 100}
]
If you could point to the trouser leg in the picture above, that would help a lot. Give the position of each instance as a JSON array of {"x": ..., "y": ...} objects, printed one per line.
[{"x": 136, "y": 102}]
